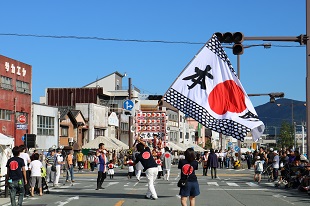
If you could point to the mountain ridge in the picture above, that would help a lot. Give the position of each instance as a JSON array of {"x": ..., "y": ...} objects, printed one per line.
[{"x": 274, "y": 114}]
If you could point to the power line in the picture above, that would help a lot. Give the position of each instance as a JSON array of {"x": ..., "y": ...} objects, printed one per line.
[
  {"x": 100, "y": 38},
  {"x": 120, "y": 40}
]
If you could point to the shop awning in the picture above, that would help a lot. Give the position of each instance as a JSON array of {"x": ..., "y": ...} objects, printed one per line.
[
  {"x": 174, "y": 146},
  {"x": 110, "y": 143}
]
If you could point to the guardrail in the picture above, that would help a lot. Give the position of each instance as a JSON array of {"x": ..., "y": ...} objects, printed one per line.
[{"x": 5, "y": 192}]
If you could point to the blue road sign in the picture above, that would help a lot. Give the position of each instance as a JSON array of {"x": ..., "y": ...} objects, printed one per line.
[
  {"x": 237, "y": 148},
  {"x": 128, "y": 105},
  {"x": 230, "y": 144}
]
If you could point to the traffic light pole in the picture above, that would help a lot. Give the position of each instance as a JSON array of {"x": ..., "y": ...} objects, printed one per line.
[
  {"x": 307, "y": 76},
  {"x": 238, "y": 70}
]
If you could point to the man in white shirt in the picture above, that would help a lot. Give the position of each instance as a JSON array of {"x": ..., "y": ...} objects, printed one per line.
[
  {"x": 35, "y": 167},
  {"x": 275, "y": 165},
  {"x": 59, "y": 162},
  {"x": 25, "y": 156}
]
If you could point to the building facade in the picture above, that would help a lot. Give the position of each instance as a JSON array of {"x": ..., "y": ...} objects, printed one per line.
[{"x": 15, "y": 98}]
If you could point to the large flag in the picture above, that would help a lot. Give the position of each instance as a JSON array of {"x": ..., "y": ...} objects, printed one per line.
[{"x": 209, "y": 91}]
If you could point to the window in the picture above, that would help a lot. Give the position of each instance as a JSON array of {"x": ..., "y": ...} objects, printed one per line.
[
  {"x": 64, "y": 131},
  {"x": 124, "y": 127},
  {"x": 99, "y": 132},
  {"x": 114, "y": 108},
  {"x": 22, "y": 87},
  {"x": 5, "y": 114},
  {"x": 6, "y": 83},
  {"x": 45, "y": 125}
]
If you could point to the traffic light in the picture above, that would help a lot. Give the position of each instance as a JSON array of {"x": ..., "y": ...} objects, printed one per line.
[
  {"x": 236, "y": 38},
  {"x": 30, "y": 140}
]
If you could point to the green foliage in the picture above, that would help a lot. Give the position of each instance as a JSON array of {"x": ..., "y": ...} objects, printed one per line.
[
  {"x": 286, "y": 139},
  {"x": 208, "y": 144}
]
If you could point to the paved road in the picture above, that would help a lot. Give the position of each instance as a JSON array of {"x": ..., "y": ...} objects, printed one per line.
[{"x": 233, "y": 188}]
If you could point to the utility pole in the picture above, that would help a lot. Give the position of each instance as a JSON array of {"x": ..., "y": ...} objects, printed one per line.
[
  {"x": 307, "y": 76},
  {"x": 130, "y": 142}
]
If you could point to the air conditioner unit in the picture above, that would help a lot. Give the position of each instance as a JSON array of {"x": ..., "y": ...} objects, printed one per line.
[{"x": 70, "y": 139}]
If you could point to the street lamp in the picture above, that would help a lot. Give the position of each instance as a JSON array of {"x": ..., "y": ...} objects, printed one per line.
[{"x": 272, "y": 95}]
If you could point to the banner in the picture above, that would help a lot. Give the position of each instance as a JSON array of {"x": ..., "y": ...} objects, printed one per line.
[{"x": 209, "y": 91}]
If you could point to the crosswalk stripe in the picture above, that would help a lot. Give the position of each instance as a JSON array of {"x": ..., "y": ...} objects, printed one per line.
[
  {"x": 232, "y": 184},
  {"x": 252, "y": 184},
  {"x": 213, "y": 183},
  {"x": 269, "y": 183}
]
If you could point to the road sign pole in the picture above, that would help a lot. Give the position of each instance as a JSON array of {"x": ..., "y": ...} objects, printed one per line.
[{"x": 130, "y": 141}]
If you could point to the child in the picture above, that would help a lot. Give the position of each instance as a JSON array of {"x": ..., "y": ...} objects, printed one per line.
[
  {"x": 130, "y": 164},
  {"x": 111, "y": 169},
  {"x": 258, "y": 168},
  {"x": 159, "y": 166}
]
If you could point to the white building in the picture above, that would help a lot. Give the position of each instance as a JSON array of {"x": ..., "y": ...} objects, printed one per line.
[{"x": 45, "y": 125}]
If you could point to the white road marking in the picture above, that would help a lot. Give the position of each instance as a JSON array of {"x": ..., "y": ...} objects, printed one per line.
[
  {"x": 173, "y": 183},
  {"x": 281, "y": 197},
  {"x": 252, "y": 184},
  {"x": 232, "y": 184},
  {"x": 231, "y": 189},
  {"x": 213, "y": 183},
  {"x": 269, "y": 183},
  {"x": 56, "y": 190},
  {"x": 60, "y": 203},
  {"x": 111, "y": 183},
  {"x": 134, "y": 189}
]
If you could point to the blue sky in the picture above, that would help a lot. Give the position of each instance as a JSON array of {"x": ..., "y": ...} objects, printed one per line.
[{"x": 60, "y": 62}]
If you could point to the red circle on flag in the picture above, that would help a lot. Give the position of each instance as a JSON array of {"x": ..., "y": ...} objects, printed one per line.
[
  {"x": 227, "y": 97},
  {"x": 167, "y": 155},
  {"x": 146, "y": 155},
  {"x": 22, "y": 119}
]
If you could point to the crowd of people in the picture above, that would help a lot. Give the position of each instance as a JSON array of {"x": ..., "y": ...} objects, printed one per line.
[{"x": 27, "y": 174}]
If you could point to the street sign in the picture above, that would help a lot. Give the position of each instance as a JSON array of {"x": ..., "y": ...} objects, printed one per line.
[
  {"x": 128, "y": 105},
  {"x": 22, "y": 126},
  {"x": 237, "y": 148},
  {"x": 230, "y": 144},
  {"x": 22, "y": 119}
]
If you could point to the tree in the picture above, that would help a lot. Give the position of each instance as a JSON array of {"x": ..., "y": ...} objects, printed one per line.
[
  {"x": 286, "y": 139},
  {"x": 208, "y": 144}
]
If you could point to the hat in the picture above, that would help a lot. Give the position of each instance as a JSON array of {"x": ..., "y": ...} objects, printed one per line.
[
  {"x": 271, "y": 149},
  {"x": 276, "y": 151},
  {"x": 258, "y": 157},
  {"x": 303, "y": 158}
]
